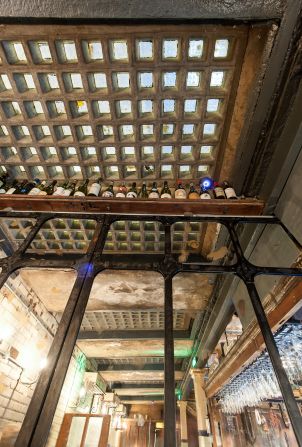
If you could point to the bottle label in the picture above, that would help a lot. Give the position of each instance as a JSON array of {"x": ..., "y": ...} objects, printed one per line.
[
  {"x": 120, "y": 194},
  {"x": 42, "y": 193},
  {"x": 107, "y": 194},
  {"x": 34, "y": 192},
  {"x": 230, "y": 192},
  {"x": 60, "y": 191},
  {"x": 165, "y": 195},
  {"x": 219, "y": 191},
  {"x": 79, "y": 193},
  {"x": 205, "y": 195},
  {"x": 10, "y": 191},
  {"x": 131, "y": 195},
  {"x": 95, "y": 189},
  {"x": 193, "y": 195},
  {"x": 67, "y": 192},
  {"x": 153, "y": 195},
  {"x": 2, "y": 191},
  {"x": 180, "y": 194}
]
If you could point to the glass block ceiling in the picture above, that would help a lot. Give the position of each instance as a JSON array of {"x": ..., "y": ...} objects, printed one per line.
[{"x": 116, "y": 102}]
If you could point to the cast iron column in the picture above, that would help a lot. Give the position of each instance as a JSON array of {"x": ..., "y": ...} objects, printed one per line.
[{"x": 170, "y": 401}]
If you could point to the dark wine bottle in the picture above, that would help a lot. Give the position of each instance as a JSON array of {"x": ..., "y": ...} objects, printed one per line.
[
  {"x": 122, "y": 191},
  {"x": 193, "y": 194},
  {"x": 49, "y": 189},
  {"x": 132, "y": 193},
  {"x": 165, "y": 192},
  {"x": 154, "y": 194},
  {"x": 218, "y": 191},
  {"x": 229, "y": 191},
  {"x": 144, "y": 192},
  {"x": 82, "y": 189},
  {"x": 180, "y": 192},
  {"x": 109, "y": 192}
]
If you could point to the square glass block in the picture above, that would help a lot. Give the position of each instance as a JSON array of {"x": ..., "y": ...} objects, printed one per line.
[
  {"x": 221, "y": 48},
  {"x": 144, "y": 49},
  {"x": 145, "y": 79},
  {"x": 119, "y": 50},
  {"x": 193, "y": 79},
  {"x": 217, "y": 78},
  {"x": 195, "y": 50},
  {"x": 170, "y": 48},
  {"x": 169, "y": 79}
]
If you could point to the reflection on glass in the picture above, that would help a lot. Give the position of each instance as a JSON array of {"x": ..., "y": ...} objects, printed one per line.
[
  {"x": 76, "y": 432},
  {"x": 93, "y": 432}
]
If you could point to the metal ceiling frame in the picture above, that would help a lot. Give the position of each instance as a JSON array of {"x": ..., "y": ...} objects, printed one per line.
[{"x": 38, "y": 420}]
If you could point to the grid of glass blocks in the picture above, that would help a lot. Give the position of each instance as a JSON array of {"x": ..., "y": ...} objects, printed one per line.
[
  {"x": 70, "y": 107},
  {"x": 74, "y": 235},
  {"x": 132, "y": 319}
]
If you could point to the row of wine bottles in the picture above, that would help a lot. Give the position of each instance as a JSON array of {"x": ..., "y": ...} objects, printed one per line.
[{"x": 72, "y": 188}]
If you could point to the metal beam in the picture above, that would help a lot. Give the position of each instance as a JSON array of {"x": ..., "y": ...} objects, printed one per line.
[{"x": 130, "y": 335}]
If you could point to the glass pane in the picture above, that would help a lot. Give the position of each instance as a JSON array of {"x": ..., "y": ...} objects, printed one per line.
[
  {"x": 267, "y": 245},
  {"x": 93, "y": 432},
  {"x": 13, "y": 231},
  {"x": 76, "y": 432}
]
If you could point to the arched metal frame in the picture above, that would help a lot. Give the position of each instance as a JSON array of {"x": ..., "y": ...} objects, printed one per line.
[{"x": 37, "y": 423}]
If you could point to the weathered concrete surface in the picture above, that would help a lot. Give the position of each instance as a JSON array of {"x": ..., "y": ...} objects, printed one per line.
[
  {"x": 136, "y": 376},
  {"x": 118, "y": 290},
  {"x": 135, "y": 9},
  {"x": 132, "y": 348}
]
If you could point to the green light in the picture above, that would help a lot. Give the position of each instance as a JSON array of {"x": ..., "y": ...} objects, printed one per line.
[
  {"x": 194, "y": 362},
  {"x": 178, "y": 393}
]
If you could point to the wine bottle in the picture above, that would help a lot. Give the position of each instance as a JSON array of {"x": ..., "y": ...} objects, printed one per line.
[
  {"x": 82, "y": 189},
  {"x": 70, "y": 190},
  {"x": 132, "y": 193},
  {"x": 95, "y": 188},
  {"x": 144, "y": 192},
  {"x": 229, "y": 191},
  {"x": 3, "y": 183},
  {"x": 3, "y": 180},
  {"x": 49, "y": 189},
  {"x": 205, "y": 194},
  {"x": 12, "y": 187},
  {"x": 193, "y": 194},
  {"x": 218, "y": 191},
  {"x": 19, "y": 187},
  {"x": 109, "y": 193},
  {"x": 165, "y": 192},
  {"x": 28, "y": 186},
  {"x": 122, "y": 191},
  {"x": 154, "y": 194},
  {"x": 60, "y": 191},
  {"x": 180, "y": 192},
  {"x": 37, "y": 189}
]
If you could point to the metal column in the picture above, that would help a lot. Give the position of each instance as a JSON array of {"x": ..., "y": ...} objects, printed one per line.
[{"x": 170, "y": 400}]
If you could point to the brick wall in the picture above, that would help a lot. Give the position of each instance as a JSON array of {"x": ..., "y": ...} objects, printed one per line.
[{"x": 26, "y": 333}]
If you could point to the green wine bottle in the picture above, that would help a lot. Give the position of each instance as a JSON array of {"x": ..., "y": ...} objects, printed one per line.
[{"x": 144, "y": 192}]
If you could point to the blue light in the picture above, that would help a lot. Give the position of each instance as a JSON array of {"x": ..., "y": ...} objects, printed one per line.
[{"x": 206, "y": 183}]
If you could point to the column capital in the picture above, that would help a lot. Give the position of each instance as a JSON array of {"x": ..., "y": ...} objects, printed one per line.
[
  {"x": 182, "y": 403},
  {"x": 197, "y": 372}
]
